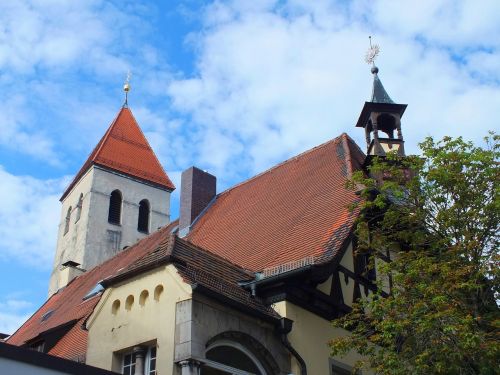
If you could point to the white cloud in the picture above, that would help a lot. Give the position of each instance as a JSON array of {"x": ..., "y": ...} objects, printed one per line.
[
  {"x": 271, "y": 79},
  {"x": 29, "y": 218},
  {"x": 18, "y": 133},
  {"x": 58, "y": 33},
  {"x": 52, "y": 54},
  {"x": 14, "y": 312},
  {"x": 275, "y": 78}
]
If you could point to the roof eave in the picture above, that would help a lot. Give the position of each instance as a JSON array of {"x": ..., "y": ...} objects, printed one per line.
[
  {"x": 196, "y": 287},
  {"x": 169, "y": 188},
  {"x": 370, "y": 107},
  {"x": 110, "y": 281}
]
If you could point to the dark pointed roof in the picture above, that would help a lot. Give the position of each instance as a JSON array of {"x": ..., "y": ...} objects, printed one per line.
[
  {"x": 125, "y": 149},
  {"x": 379, "y": 102},
  {"x": 379, "y": 95}
]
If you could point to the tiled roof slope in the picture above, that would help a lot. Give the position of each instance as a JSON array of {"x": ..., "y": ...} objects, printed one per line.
[
  {"x": 199, "y": 267},
  {"x": 73, "y": 345},
  {"x": 295, "y": 210},
  {"x": 124, "y": 148},
  {"x": 68, "y": 303},
  {"x": 196, "y": 266}
]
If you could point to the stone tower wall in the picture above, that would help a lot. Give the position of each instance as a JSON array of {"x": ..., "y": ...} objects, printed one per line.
[{"x": 92, "y": 240}]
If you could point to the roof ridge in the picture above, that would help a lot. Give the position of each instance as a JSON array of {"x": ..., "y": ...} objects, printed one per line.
[
  {"x": 353, "y": 143},
  {"x": 276, "y": 166},
  {"x": 149, "y": 146},
  {"x": 106, "y": 135},
  {"x": 349, "y": 155},
  {"x": 89, "y": 160}
]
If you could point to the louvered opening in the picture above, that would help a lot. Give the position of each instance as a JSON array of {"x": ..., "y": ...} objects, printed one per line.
[
  {"x": 79, "y": 208},
  {"x": 115, "y": 207},
  {"x": 68, "y": 218},
  {"x": 143, "y": 220}
]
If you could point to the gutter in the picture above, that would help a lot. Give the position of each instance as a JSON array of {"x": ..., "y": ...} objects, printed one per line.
[
  {"x": 252, "y": 285},
  {"x": 284, "y": 328}
]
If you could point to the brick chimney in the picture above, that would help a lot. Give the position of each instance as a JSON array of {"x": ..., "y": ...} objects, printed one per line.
[{"x": 198, "y": 188}]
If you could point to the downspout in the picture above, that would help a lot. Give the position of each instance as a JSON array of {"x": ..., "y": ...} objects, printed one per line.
[{"x": 284, "y": 328}]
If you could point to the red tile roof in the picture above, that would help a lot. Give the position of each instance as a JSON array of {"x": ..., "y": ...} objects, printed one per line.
[
  {"x": 200, "y": 268},
  {"x": 124, "y": 148},
  {"x": 73, "y": 345},
  {"x": 68, "y": 303},
  {"x": 197, "y": 267},
  {"x": 294, "y": 210}
]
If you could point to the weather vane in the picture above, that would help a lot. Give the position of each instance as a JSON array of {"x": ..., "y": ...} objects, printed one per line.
[
  {"x": 372, "y": 53},
  {"x": 126, "y": 88}
]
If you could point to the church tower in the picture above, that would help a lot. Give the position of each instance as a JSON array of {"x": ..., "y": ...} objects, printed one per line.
[
  {"x": 381, "y": 114},
  {"x": 120, "y": 194}
]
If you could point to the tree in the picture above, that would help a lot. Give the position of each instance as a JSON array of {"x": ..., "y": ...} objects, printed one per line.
[{"x": 437, "y": 216}]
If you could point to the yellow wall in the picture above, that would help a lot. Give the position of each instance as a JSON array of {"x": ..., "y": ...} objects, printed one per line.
[
  {"x": 113, "y": 332},
  {"x": 309, "y": 336},
  {"x": 311, "y": 333}
]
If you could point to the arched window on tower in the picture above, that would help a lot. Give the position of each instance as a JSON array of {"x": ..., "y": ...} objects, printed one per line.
[
  {"x": 79, "y": 208},
  {"x": 143, "y": 220},
  {"x": 68, "y": 218},
  {"x": 115, "y": 207}
]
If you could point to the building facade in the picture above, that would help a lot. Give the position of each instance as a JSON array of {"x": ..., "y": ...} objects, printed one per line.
[
  {"x": 119, "y": 196},
  {"x": 246, "y": 281}
]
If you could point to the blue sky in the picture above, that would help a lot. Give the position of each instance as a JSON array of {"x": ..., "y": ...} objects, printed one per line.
[{"x": 230, "y": 86}]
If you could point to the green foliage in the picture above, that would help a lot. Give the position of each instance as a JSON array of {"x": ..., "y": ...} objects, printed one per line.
[{"x": 437, "y": 216}]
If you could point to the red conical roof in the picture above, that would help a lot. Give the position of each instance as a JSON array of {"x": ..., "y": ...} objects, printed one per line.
[{"x": 124, "y": 149}]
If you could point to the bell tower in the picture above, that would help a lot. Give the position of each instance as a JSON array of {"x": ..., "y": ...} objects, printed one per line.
[
  {"x": 120, "y": 195},
  {"x": 381, "y": 115}
]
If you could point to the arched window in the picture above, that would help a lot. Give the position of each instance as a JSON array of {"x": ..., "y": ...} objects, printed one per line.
[
  {"x": 387, "y": 124},
  {"x": 115, "y": 207},
  {"x": 143, "y": 221},
  {"x": 158, "y": 292},
  {"x": 79, "y": 208},
  {"x": 230, "y": 357},
  {"x": 68, "y": 218}
]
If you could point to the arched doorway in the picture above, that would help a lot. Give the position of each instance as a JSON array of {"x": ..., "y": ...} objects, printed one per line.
[{"x": 227, "y": 357}]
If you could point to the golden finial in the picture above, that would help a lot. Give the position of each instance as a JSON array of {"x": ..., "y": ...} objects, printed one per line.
[{"x": 126, "y": 88}]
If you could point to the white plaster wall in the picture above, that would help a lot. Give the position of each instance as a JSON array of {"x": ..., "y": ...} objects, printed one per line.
[
  {"x": 347, "y": 286},
  {"x": 110, "y": 334},
  {"x": 70, "y": 246},
  {"x": 87, "y": 240},
  {"x": 133, "y": 191},
  {"x": 389, "y": 147},
  {"x": 8, "y": 367},
  {"x": 326, "y": 286}
]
